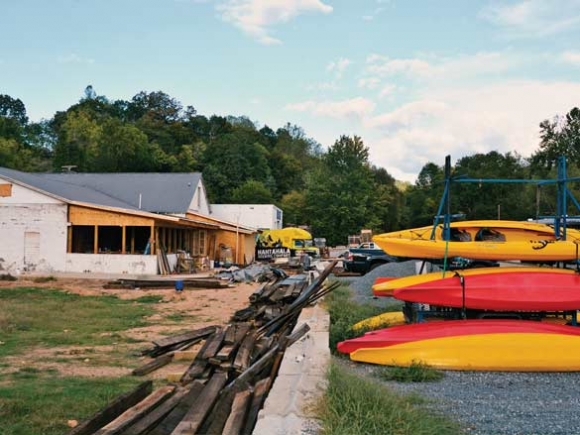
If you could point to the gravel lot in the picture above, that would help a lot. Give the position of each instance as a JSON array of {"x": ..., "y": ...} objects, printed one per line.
[{"x": 487, "y": 403}]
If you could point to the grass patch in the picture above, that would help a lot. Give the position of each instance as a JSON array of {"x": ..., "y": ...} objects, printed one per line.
[
  {"x": 32, "y": 317},
  {"x": 38, "y": 402},
  {"x": 344, "y": 313},
  {"x": 149, "y": 299},
  {"x": 355, "y": 405},
  {"x": 416, "y": 372}
]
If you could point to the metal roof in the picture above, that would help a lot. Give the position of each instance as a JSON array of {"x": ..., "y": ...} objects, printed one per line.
[{"x": 153, "y": 192}]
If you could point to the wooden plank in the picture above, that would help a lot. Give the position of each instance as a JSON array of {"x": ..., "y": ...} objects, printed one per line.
[
  {"x": 235, "y": 421},
  {"x": 202, "y": 406},
  {"x": 150, "y": 420},
  {"x": 229, "y": 334},
  {"x": 186, "y": 336},
  {"x": 216, "y": 420},
  {"x": 170, "y": 422},
  {"x": 113, "y": 410},
  {"x": 153, "y": 365},
  {"x": 134, "y": 413},
  {"x": 242, "y": 359},
  {"x": 261, "y": 390},
  {"x": 215, "y": 343},
  {"x": 226, "y": 352}
]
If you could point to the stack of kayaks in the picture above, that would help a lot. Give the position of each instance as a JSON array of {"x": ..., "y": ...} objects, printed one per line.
[
  {"x": 493, "y": 302},
  {"x": 483, "y": 240}
]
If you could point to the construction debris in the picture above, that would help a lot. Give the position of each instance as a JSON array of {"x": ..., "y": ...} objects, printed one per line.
[{"x": 228, "y": 381}]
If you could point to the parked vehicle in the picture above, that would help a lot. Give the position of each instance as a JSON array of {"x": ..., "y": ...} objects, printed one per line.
[
  {"x": 295, "y": 239},
  {"x": 365, "y": 258}
]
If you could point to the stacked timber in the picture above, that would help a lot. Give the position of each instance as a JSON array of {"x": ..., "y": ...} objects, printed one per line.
[
  {"x": 127, "y": 283},
  {"x": 227, "y": 383}
]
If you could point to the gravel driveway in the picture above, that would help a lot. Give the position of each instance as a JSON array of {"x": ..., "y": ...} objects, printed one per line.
[{"x": 487, "y": 403}]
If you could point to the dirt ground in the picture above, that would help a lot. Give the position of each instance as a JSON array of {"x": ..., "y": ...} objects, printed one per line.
[{"x": 176, "y": 313}]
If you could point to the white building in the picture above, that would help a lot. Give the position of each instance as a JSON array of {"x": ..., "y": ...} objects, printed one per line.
[
  {"x": 259, "y": 216},
  {"x": 110, "y": 223}
]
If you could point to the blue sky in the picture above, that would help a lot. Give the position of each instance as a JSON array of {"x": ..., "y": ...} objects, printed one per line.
[{"x": 416, "y": 79}]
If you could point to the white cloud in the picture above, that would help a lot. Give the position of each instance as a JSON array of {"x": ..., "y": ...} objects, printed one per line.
[
  {"x": 463, "y": 120},
  {"x": 533, "y": 18},
  {"x": 571, "y": 57},
  {"x": 387, "y": 90},
  {"x": 339, "y": 66},
  {"x": 417, "y": 111},
  {"x": 352, "y": 108},
  {"x": 255, "y": 17},
  {"x": 369, "y": 83},
  {"x": 74, "y": 58},
  {"x": 382, "y": 66},
  {"x": 437, "y": 68}
]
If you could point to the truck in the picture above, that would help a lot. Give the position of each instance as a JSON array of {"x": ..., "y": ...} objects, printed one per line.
[
  {"x": 297, "y": 240},
  {"x": 364, "y": 258}
]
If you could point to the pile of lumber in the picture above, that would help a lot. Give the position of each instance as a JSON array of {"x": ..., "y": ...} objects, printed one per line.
[
  {"x": 228, "y": 381},
  {"x": 126, "y": 283}
]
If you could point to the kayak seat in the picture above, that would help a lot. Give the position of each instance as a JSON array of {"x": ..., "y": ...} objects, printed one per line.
[{"x": 489, "y": 235}]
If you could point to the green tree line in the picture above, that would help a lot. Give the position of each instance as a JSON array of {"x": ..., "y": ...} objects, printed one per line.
[{"x": 335, "y": 192}]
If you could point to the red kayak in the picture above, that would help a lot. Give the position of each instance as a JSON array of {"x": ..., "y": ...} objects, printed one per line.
[
  {"x": 518, "y": 291},
  {"x": 395, "y": 335}
]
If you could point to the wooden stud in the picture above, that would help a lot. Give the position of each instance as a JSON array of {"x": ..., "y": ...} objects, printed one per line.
[
  {"x": 235, "y": 421},
  {"x": 133, "y": 414},
  {"x": 113, "y": 410}
]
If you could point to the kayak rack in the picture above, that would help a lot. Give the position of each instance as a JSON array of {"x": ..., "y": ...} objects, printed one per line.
[
  {"x": 560, "y": 219},
  {"x": 418, "y": 313}
]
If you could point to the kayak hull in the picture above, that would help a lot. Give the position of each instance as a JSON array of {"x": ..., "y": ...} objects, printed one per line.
[
  {"x": 488, "y": 345},
  {"x": 387, "y": 288},
  {"x": 534, "y": 251},
  {"x": 516, "y": 291}
]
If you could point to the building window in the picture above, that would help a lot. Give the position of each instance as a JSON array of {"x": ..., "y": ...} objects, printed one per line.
[
  {"x": 198, "y": 242},
  {"x": 5, "y": 190}
]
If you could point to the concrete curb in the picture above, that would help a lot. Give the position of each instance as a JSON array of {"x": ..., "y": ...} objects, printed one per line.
[{"x": 300, "y": 381}]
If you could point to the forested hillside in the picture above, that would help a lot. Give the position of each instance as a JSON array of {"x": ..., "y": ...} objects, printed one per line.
[{"x": 336, "y": 190}]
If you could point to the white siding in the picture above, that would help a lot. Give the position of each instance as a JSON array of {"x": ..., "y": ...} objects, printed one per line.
[
  {"x": 261, "y": 216},
  {"x": 199, "y": 201},
  {"x": 33, "y": 232},
  {"x": 110, "y": 263}
]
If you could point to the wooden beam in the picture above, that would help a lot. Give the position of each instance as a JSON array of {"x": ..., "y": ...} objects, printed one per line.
[
  {"x": 235, "y": 421},
  {"x": 154, "y": 417},
  {"x": 202, "y": 406},
  {"x": 69, "y": 239},
  {"x": 113, "y": 410},
  {"x": 96, "y": 241},
  {"x": 153, "y": 365},
  {"x": 133, "y": 414},
  {"x": 123, "y": 241}
]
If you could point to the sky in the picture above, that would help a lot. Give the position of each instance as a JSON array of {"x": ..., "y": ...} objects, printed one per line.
[{"x": 417, "y": 80}]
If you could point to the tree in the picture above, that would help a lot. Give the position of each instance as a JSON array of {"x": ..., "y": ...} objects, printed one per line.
[
  {"x": 232, "y": 159},
  {"x": 13, "y": 118},
  {"x": 496, "y": 199},
  {"x": 340, "y": 194},
  {"x": 252, "y": 192},
  {"x": 293, "y": 204},
  {"x": 78, "y": 141},
  {"x": 559, "y": 137}
]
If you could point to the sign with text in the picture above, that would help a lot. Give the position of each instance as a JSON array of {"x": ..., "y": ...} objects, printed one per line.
[{"x": 269, "y": 253}]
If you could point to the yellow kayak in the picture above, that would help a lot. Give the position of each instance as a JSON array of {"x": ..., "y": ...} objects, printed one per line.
[
  {"x": 494, "y": 344},
  {"x": 381, "y": 321},
  {"x": 486, "y": 230},
  {"x": 534, "y": 251}
]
